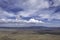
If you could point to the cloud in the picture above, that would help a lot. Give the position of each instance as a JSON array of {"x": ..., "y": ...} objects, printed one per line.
[
  {"x": 5, "y": 14},
  {"x": 37, "y": 9},
  {"x": 56, "y": 3},
  {"x": 56, "y": 16},
  {"x": 35, "y": 21}
]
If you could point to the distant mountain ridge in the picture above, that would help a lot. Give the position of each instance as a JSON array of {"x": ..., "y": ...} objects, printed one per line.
[{"x": 33, "y": 28}]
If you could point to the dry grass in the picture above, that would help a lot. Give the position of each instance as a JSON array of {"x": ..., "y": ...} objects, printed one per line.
[{"x": 26, "y": 35}]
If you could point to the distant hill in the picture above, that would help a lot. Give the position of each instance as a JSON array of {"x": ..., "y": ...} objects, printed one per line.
[{"x": 33, "y": 27}]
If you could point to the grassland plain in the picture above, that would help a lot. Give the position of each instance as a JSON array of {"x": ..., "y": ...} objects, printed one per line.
[{"x": 26, "y": 35}]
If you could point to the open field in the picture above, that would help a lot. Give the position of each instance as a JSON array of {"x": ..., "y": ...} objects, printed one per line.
[{"x": 26, "y": 35}]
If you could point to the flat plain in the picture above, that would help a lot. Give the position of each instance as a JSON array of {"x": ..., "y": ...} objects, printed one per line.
[{"x": 26, "y": 35}]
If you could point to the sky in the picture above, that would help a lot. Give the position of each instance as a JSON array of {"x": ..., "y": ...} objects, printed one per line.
[{"x": 45, "y": 12}]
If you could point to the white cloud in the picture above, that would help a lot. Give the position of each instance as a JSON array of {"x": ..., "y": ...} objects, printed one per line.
[
  {"x": 56, "y": 16},
  {"x": 56, "y": 3},
  {"x": 8, "y": 14},
  {"x": 23, "y": 21},
  {"x": 27, "y": 13},
  {"x": 34, "y": 21},
  {"x": 5, "y": 14},
  {"x": 32, "y": 8}
]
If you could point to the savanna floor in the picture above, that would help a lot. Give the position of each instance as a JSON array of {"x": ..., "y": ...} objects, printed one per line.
[{"x": 26, "y": 35}]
